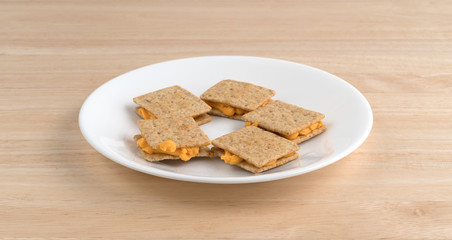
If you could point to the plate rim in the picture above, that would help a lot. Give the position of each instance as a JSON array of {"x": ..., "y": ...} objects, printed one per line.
[{"x": 225, "y": 180}]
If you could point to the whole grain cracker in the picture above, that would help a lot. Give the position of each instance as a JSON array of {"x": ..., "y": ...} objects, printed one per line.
[
  {"x": 172, "y": 101},
  {"x": 184, "y": 132},
  {"x": 283, "y": 118},
  {"x": 155, "y": 157},
  {"x": 255, "y": 145},
  {"x": 237, "y": 94},
  {"x": 249, "y": 167}
]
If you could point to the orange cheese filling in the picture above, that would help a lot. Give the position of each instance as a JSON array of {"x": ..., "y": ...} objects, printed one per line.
[
  {"x": 229, "y": 110},
  {"x": 145, "y": 114},
  {"x": 305, "y": 131},
  {"x": 232, "y": 159},
  {"x": 255, "y": 123},
  {"x": 226, "y": 109},
  {"x": 169, "y": 147}
]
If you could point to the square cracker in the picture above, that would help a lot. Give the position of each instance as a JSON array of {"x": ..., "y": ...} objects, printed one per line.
[
  {"x": 183, "y": 131},
  {"x": 200, "y": 119},
  {"x": 283, "y": 118},
  {"x": 249, "y": 167},
  {"x": 203, "y": 152},
  {"x": 172, "y": 101},
  {"x": 255, "y": 145},
  {"x": 237, "y": 94}
]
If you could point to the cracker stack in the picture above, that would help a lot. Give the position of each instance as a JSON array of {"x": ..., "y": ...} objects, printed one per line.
[
  {"x": 232, "y": 99},
  {"x": 290, "y": 121},
  {"x": 172, "y": 101},
  {"x": 254, "y": 149},
  {"x": 171, "y": 138}
]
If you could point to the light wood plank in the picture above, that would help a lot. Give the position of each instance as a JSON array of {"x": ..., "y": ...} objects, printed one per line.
[{"x": 397, "y": 185}]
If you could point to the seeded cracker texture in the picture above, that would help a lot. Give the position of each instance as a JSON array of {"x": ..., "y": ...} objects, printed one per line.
[
  {"x": 237, "y": 94},
  {"x": 283, "y": 118},
  {"x": 203, "y": 152},
  {"x": 183, "y": 131},
  {"x": 249, "y": 167},
  {"x": 255, "y": 145},
  {"x": 172, "y": 101},
  {"x": 200, "y": 120}
]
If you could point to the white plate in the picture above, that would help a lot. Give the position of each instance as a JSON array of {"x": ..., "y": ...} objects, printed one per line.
[{"x": 108, "y": 122}]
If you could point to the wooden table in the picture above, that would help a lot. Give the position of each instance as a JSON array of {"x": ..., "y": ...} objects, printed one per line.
[{"x": 397, "y": 185}]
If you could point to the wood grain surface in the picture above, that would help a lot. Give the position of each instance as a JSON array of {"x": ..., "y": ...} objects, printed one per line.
[{"x": 54, "y": 185}]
